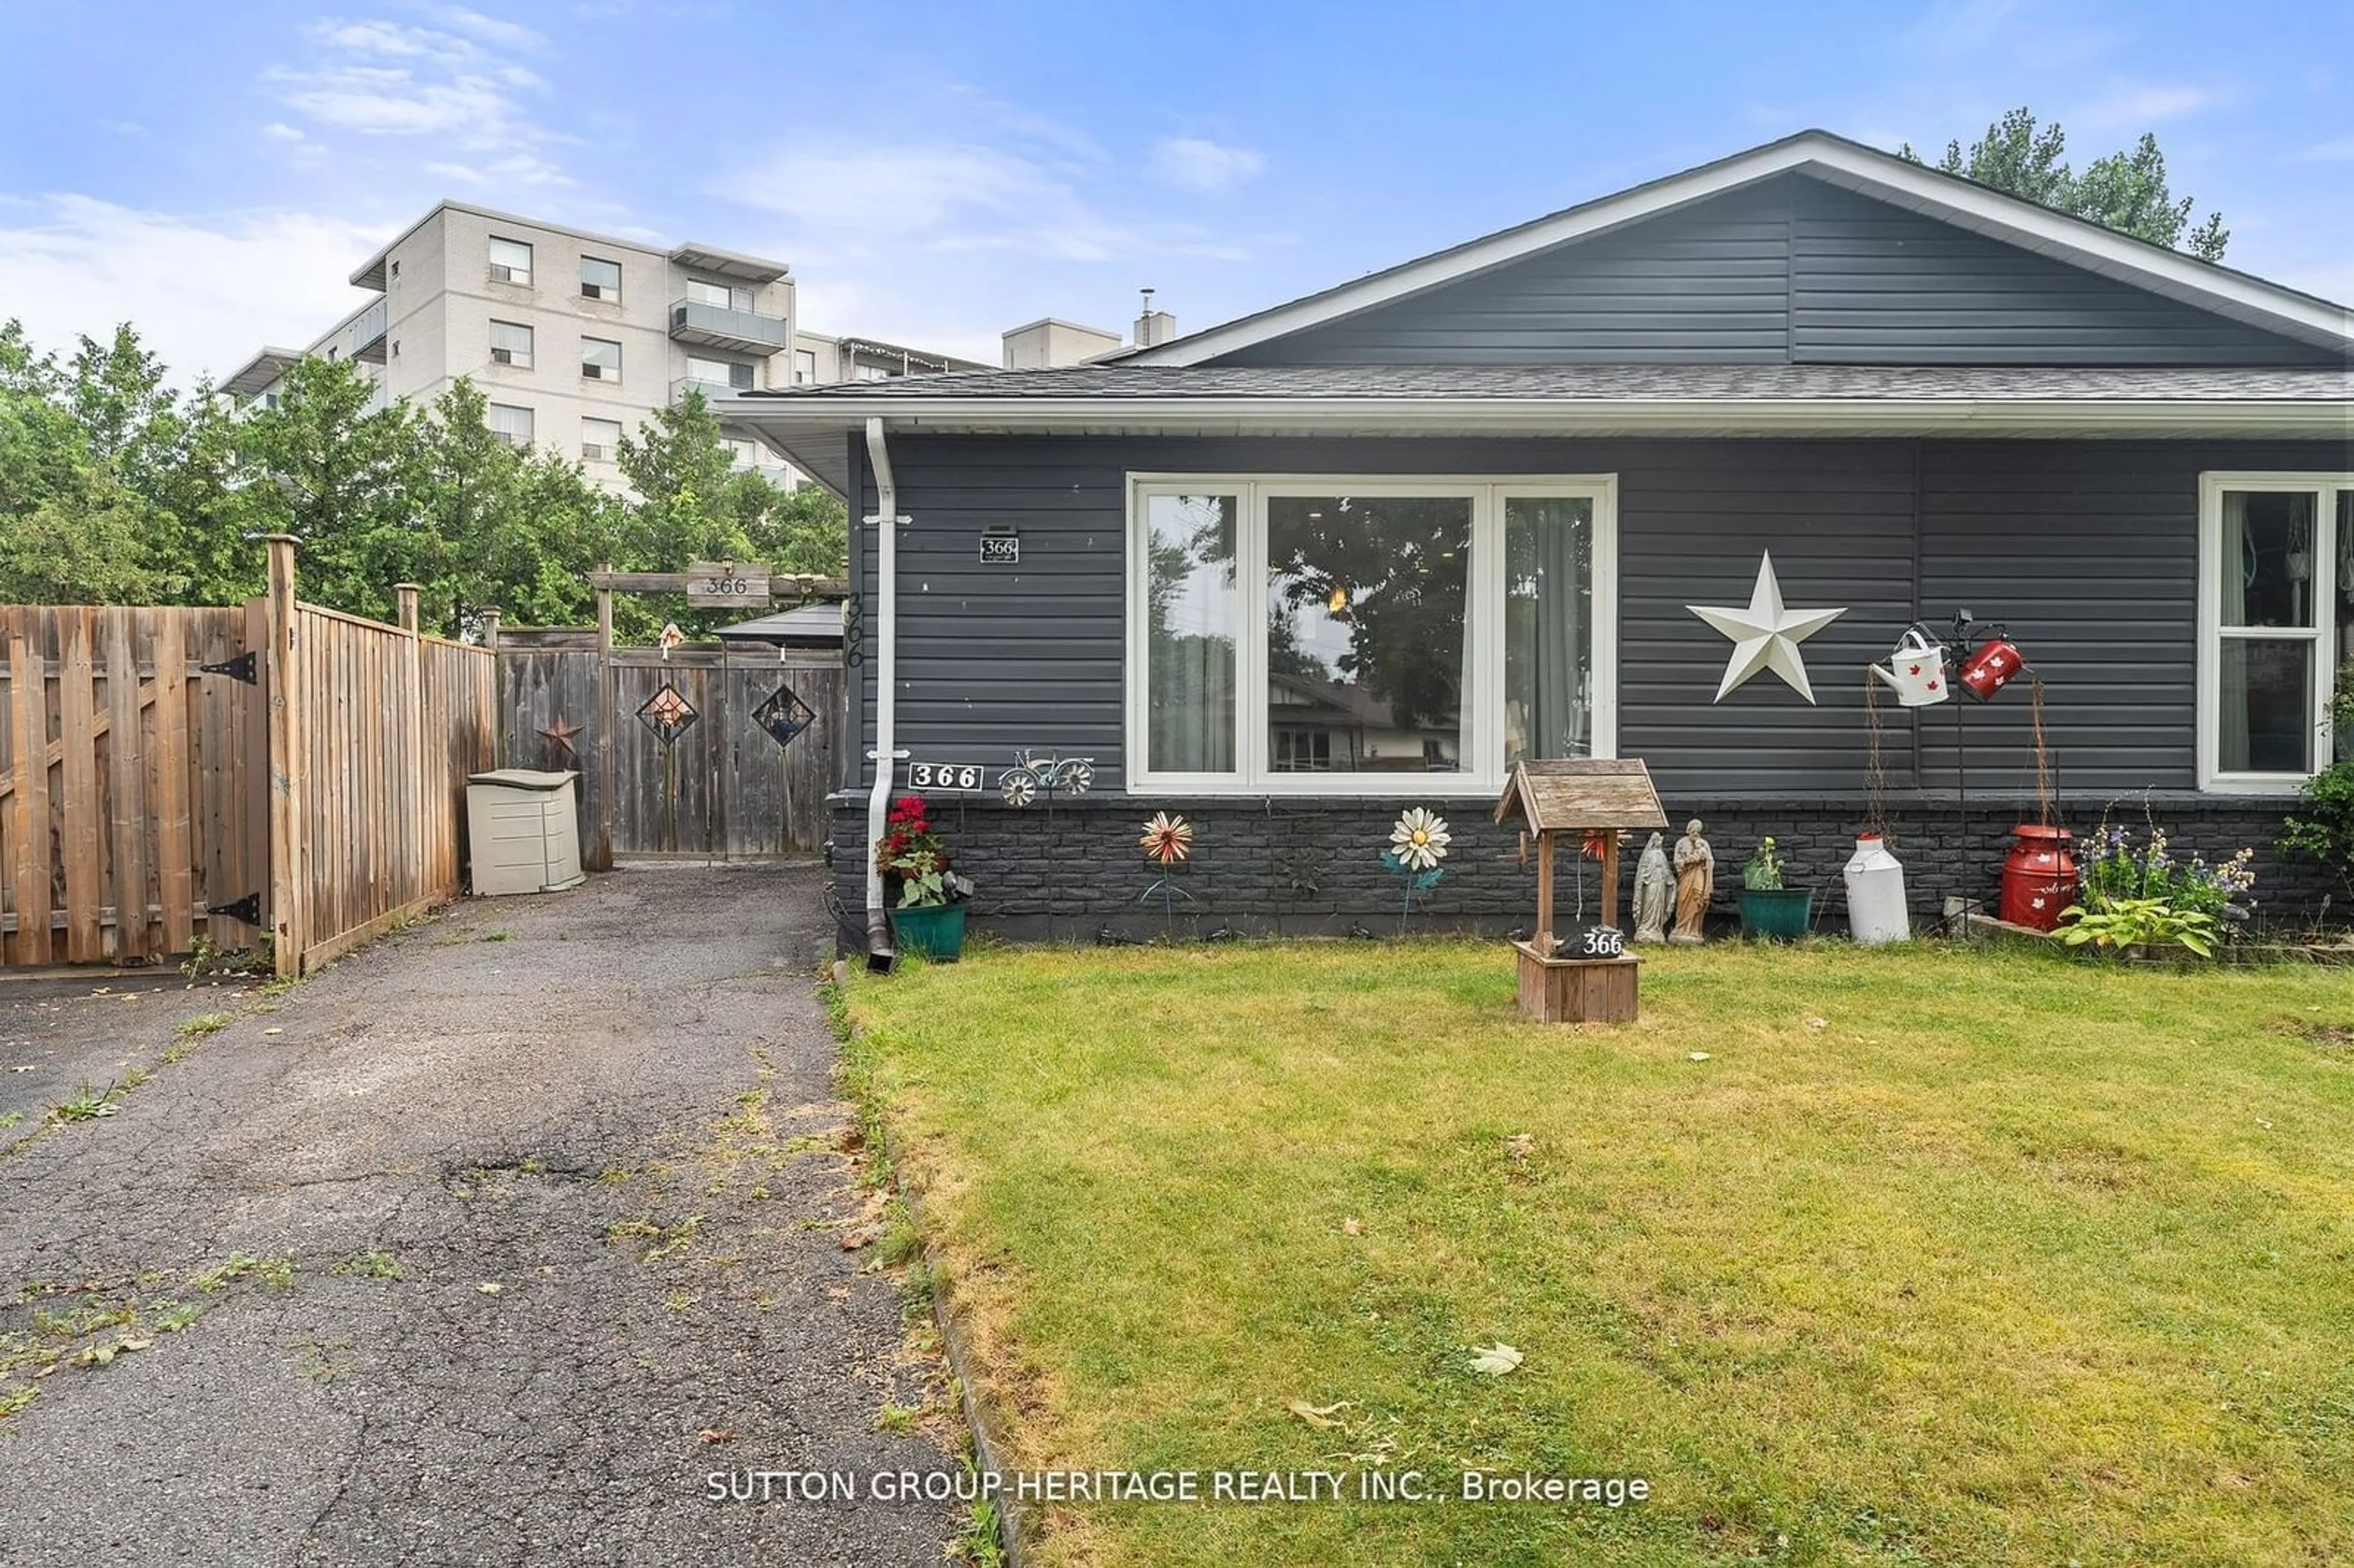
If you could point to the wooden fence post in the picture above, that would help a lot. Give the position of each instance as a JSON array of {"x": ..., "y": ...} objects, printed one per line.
[
  {"x": 411, "y": 734},
  {"x": 289, "y": 865},
  {"x": 605, "y": 727},
  {"x": 491, "y": 628}
]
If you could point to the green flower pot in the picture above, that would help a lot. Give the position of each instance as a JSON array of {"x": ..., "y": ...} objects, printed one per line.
[
  {"x": 934, "y": 930},
  {"x": 1781, "y": 914}
]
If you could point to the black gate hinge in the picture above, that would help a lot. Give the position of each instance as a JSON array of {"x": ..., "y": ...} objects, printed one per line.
[
  {"x": 241, "y": 667},
  {"x": 248, "y": 908}
]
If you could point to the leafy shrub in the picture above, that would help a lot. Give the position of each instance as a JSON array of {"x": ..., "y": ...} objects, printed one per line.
[
  {"x": 2321, "y": 829},
  {"x": 2140, "y": 923}
]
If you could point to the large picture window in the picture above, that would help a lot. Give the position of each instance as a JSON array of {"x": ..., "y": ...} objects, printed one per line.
[
  {"x": 1370, "y": 636},
  {"x": 2276, "y": 609}
]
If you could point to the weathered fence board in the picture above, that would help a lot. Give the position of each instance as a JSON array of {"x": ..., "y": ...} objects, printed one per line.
[
  {"x": 115, "y": 752},
  {"x": 393, "y": 723},
  {"x": 142, "y": 779},
  {"x": 724, "y": 789}
]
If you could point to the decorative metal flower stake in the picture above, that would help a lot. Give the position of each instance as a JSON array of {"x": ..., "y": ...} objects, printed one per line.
[
  {"x": 1417, "y": 843},
  {"x": 1166, "y": 841}
]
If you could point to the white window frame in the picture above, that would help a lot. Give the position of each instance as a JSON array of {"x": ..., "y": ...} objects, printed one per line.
[
  {"x": 529, "y": 270},
  {"x": 2323, "y": 634},
  {"x": 531, "y": 418},
  {"x": 1483, "y": 708},
  {"x": 599, "y": 450}
]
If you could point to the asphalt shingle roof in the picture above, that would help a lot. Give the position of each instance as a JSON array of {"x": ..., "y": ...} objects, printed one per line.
[{"x": 1605, "y": 383}]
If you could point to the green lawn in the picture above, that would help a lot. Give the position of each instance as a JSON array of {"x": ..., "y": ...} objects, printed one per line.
[{"x": 1940, "y": 1257}]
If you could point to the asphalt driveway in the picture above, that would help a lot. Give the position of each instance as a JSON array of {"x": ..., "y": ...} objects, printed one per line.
[{"x": 493, "y": 1244}]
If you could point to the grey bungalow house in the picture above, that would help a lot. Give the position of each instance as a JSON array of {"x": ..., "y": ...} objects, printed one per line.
[{"x": 1293, "y": 574}]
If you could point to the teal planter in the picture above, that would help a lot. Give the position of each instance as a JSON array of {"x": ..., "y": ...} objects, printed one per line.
[
  {"x": 934, "y": 930},
  {"x": 1781, "y": 914}
]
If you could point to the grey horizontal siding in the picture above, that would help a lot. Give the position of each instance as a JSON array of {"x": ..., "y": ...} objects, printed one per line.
[
  {"x": 1708, "y": 284},
  {"x": 1877, "y": 284},
  {"x": 1790, "y": 271},
  {"x": 2087, "y": 549},
  {"x": 2089, "y": 552}
]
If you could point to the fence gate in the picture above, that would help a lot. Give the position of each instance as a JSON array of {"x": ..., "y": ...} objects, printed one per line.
[
  {"x": 273, "y": 774},
  {"x": 722, "y": 753},
  {"x": 132, "y": 759}
]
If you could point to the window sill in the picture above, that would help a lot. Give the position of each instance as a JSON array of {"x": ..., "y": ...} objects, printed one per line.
[
  {"x": 2282, "y": 785},
  {"x": 1325, "y": 787}
]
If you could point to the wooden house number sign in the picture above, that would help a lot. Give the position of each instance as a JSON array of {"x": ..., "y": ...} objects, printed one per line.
[{"x": 727, "y": 582}]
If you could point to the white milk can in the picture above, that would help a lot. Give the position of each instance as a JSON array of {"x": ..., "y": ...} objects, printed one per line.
[{"x": 1875, "y": 894}]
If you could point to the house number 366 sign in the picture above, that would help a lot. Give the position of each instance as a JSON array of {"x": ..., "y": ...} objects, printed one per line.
[{"x": 726, "y": 583}]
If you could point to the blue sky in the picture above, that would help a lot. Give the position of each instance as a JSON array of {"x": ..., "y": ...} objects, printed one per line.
[{"x": 935, "y": 174}]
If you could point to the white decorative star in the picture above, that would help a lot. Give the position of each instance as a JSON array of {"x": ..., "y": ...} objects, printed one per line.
[{"x": 1765, "y": 636}]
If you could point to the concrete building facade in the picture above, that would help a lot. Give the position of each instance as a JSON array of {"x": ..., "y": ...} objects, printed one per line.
[{"x": 575, "y": 338}]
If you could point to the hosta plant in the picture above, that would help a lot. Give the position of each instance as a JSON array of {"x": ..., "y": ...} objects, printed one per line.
[{"x": 2140, "y": 923}]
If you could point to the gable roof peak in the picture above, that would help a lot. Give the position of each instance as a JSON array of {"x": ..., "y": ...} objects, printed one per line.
[{"x": 1837, "y": 159}]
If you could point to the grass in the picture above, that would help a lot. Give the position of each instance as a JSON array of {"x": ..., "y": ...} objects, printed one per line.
[{"x": 1939, "y": 1256}]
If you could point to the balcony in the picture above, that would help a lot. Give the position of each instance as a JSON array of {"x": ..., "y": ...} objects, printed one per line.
[
  {"x": 718, "y": 326},
  {"x": 364, "y": 340},
  {"x": 712, "y": 390}
]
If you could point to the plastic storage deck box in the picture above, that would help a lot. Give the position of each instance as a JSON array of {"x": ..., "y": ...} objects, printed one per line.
[{"x": 525, "y": 831}]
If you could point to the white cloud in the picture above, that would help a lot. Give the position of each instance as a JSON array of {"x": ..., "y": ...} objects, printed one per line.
[
  {"x": 456, "y": 93},
  {"x": 518, "y": 170},
  {"x": 278, "y": 131},
  {"x": 505, "y": 34},
  {"x": 1199, "y": 166},
  {"x": 204, "y": 293},
  {"x": 958, "y": 198},
  {"x": 2137, "y": 108}
]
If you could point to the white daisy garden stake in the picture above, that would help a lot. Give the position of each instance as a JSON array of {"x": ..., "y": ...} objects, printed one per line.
[{"x": 1417, "y": 843}]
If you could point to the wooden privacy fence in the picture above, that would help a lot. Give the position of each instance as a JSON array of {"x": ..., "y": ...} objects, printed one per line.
[
  {"x": 278, "y": 770},
  {"x": 722, "y": 786},
  {"x": 132, "y": 782}
]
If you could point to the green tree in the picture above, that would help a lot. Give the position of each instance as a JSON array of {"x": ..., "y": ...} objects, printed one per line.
[
  {"x": 2124, "y": 191},
  {"x": 71, "y": 532},
  {"x": 804, "y": 531},
  {"x": 518, "y": 530},
  {"x": 344, "y": 479}
]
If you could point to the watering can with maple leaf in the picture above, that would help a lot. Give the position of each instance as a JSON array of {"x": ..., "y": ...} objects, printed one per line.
[
  {"x": 1916, "y": 668},
  {"x": 1992, "y": 667}
]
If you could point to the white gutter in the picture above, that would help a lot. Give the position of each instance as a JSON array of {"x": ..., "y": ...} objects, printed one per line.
[{"x": 880, "y": 951}]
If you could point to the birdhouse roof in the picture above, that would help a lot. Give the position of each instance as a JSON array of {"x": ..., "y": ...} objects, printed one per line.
[{"x": 1562, "y": 794}]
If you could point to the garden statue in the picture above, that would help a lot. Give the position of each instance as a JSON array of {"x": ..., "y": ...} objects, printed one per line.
[
  {"x": 1653, "y": 899},
  {"x": 1695, "y": 883}
]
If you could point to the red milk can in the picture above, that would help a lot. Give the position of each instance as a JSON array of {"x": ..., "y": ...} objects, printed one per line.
[{"x": 2039, "y": 876}]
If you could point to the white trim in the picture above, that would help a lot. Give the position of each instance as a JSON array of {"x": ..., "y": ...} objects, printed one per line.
[
  {"x": 2286, "y": 418},
  {"x": 1482, "y": 722},
  {"x": 2322, "y": 635},
  {"x": 1849, "y": 163}
]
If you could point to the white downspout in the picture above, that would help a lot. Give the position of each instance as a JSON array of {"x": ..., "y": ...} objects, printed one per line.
[{"x": 880, "y": 951}]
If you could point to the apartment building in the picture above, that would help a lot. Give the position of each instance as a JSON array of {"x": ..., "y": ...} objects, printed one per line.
[{"x": 575, "y": 338}]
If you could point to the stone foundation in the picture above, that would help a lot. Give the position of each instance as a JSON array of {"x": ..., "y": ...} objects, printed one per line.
[{"x": 1309, "y": 867}]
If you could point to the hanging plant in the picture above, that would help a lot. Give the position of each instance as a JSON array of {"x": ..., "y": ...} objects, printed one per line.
[{"x": 1417, "y": 843}]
